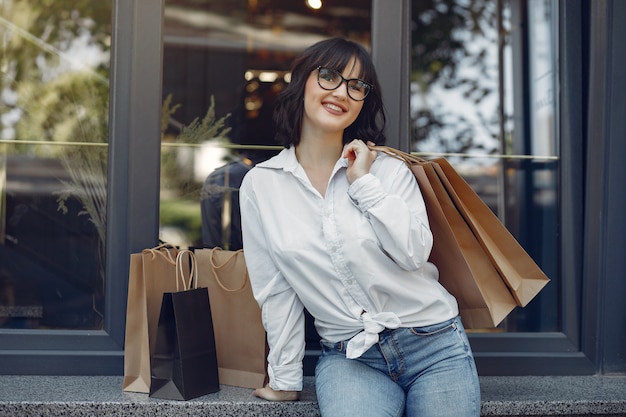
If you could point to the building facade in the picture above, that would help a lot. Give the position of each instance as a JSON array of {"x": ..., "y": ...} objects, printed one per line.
[{"x": 113, "y": 113}]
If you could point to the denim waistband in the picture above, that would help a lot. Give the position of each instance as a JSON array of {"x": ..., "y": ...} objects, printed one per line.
[
  {"x": 342, "y": 344},
  {"x": 385, "y": 333}
]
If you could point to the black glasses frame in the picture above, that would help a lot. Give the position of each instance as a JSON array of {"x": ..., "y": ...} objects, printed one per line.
[{"x": 346, "y": 80}]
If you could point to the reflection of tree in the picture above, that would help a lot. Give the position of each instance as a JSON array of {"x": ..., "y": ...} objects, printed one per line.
[
  {"x": 448, "y": 37},
  {"x": 180, "y": 189},
  {"x": 54, "y": 88},
  {"x": 198, "y": 131},
  {"x": 38, "y": 41},
  {"x": 59, "y": 98}
]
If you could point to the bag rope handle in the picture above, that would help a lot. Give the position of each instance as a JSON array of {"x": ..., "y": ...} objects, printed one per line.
[
  {"x": 156, "y": 251},
  {"x": 398, "y": 154},
  {"x": 180, "y": 272},
  {"x": 217, "y": 267}
]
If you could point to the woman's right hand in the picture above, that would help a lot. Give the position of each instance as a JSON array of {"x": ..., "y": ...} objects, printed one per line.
[
  {"x": 269, "y": 394},
  {"x": 360, "y": 159}
]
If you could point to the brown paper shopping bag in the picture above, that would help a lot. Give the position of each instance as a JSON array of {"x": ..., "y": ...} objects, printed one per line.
[
  {"x": 152, "y": 272},
  {"x": 464, "y": 237},
  {"x": 240, "y": 338},
  {"x": 464, "y": 268},
  {"x": 520, "y": 272}
]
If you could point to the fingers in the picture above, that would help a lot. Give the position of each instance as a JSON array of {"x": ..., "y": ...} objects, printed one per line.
[
  {"x": 359, "y": 147},
  {"x": 352, "y": 149}
]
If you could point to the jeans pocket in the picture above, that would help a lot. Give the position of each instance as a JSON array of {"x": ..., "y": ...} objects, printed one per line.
[{"x": 435, "y": 329}]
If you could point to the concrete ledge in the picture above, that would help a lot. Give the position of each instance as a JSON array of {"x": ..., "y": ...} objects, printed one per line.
[{"x": 80, "y": 396}]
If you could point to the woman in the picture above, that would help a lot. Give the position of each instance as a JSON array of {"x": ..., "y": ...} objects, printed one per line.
[{"x": 338, "y": 229}]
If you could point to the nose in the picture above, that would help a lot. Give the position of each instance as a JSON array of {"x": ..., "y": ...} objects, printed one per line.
[{"x": 342, "y": 90}]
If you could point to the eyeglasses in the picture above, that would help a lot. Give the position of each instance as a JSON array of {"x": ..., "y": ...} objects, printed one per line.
[{"x": 329, "y": 79}]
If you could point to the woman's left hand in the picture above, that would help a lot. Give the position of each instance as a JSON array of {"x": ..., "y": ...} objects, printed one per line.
[
  {"x": 360, "y": 159},
  {"x": 269, "y": 394}
]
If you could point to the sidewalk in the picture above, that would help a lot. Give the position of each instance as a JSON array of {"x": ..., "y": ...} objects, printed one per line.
[{"x": 73, "y": 396}]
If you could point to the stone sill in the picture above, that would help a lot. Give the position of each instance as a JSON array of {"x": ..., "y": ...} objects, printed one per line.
[{"x": 102, "y": 396}]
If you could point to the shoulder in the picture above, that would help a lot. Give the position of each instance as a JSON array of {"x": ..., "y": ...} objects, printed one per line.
[
  {"x": 283, "y": 159},
  {"x": 389, "y": 164},
  {"x": 262, "y": 173},
  {"x": 392, "y": 172}
]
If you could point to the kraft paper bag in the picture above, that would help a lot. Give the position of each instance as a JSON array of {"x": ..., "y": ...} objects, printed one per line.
[
  {"x": 152, "y": 273},
  {"x": 520, "y": 272},
  {"x": 240, "y": 338},
  {"x": 184, "y": 363},
  {"x": 465, "y": 270}
]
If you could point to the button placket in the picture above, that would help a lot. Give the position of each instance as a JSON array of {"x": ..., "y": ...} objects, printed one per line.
[{"x": 334, "y": 245}]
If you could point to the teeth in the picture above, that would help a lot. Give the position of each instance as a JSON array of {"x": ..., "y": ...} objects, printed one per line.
[{"x": 334, "y": 107}]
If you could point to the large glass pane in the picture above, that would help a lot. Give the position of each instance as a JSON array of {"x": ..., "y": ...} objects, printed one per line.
[
  {"x": 224, "y": 62},
  {"x": 486, "y": 105},
  {"x": 54, "y": 103}
]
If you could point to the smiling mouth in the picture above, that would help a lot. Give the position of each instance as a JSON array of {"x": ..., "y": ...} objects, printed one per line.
[{"x": 333, "y": 107}]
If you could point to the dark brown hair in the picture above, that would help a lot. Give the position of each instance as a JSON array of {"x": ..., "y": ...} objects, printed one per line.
[{"x": 334, "y": 53}]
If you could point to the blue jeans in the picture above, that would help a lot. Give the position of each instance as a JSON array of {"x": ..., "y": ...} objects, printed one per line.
[{"x": 420, "y": 371}]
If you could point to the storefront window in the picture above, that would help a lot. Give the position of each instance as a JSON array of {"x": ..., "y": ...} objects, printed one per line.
[
  {"x": 480, "y": 100},
  {"x": 54, "y": 106},
  {"x": 224, "y": 62}
]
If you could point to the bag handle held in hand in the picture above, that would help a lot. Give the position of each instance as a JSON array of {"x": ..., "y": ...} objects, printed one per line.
[
  {"x": 396, "y": 153},
  {"x": 216, "y": 267}
]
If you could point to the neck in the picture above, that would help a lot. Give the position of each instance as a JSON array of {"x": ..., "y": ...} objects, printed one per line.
[
  {"x": 318, "y": 157},
  {"x": 319, "y": 148},
  {"x": 318, "y": 152}
]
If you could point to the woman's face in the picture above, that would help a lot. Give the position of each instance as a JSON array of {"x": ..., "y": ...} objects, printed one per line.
[{"x": 330, "y": 111}]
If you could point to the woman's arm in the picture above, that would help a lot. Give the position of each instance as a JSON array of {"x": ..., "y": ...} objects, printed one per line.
[
  {"x": 395, "y": 209},
  {"x": 282, "y": 310}
]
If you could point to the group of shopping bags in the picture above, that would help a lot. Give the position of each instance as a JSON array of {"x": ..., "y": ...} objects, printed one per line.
[
  {"x": 478, "y": 259},
  {"x": 192, "y": 324}
]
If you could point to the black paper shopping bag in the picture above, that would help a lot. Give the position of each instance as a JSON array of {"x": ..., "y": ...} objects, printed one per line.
[{"x": 184, "y": 362}]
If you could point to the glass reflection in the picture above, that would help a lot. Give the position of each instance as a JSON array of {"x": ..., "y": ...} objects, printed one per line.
[
  {"x": 462, "y": 107},
  {"x": 54, "y": 91},
  {"x": 236, "y": 53}
]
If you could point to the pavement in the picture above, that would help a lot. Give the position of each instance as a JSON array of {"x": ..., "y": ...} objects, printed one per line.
[{"x": 102, "y": 396}]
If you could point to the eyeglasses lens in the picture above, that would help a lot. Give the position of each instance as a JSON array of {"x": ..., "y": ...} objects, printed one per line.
[{"x": 330, "y": 79}]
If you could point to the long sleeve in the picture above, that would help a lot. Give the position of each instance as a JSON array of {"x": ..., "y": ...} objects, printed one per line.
[
  {"x": 283, "y": 313},
  {"x": 397, "y": 213}
]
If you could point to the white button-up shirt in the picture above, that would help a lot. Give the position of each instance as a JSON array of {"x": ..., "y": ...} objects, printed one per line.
[{"x": 356, "y": 258}]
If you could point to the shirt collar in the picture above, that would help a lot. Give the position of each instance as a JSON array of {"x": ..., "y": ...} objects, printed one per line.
[{"x": 287, "y": 160}]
